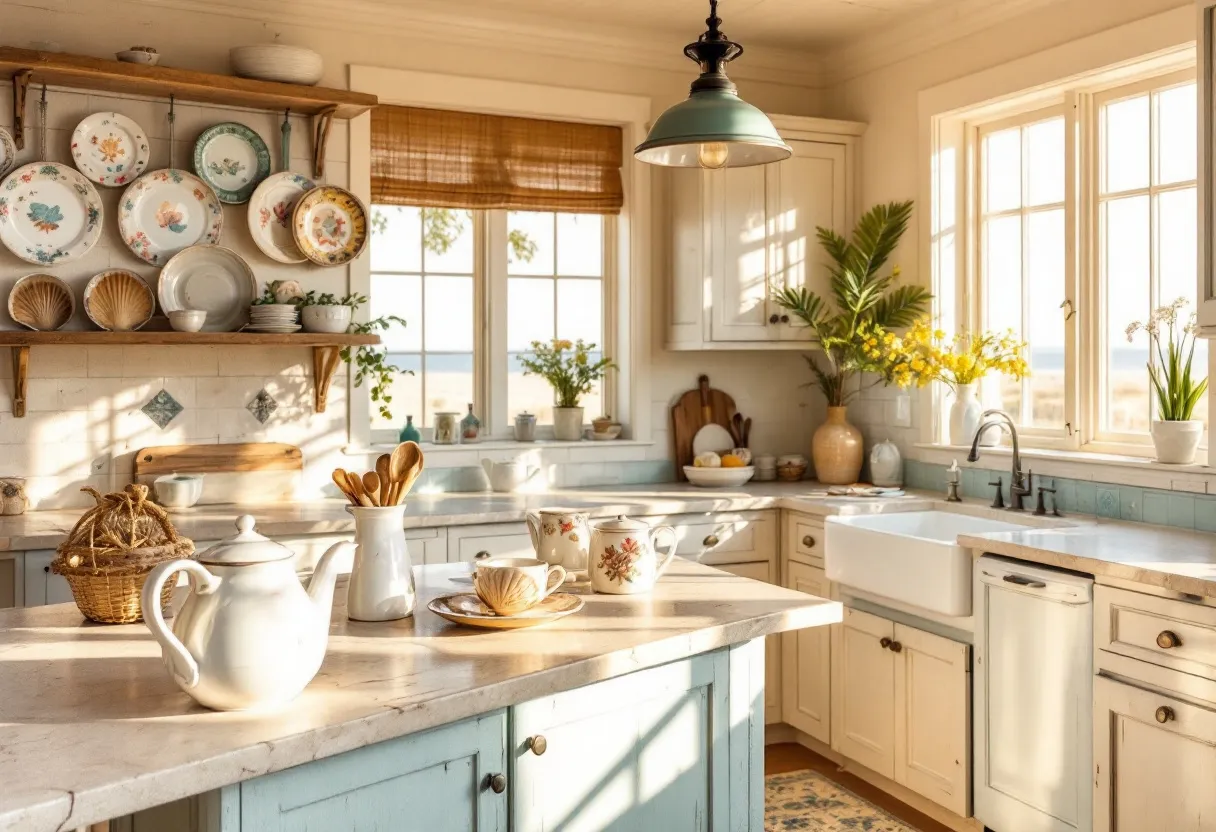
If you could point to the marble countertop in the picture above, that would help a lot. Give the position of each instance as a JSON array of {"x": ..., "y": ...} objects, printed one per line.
[
  {"x": 47, "y": 529},
  {"x": 92, "y": 727}
]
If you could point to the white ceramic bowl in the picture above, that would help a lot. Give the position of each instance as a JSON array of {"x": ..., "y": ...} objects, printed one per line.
[
  {"x": 325, "y": 318},
  {"x": 718, "y": 477},
  {"x": 187, "y": 320},
  {"x": 138, "y": 56},
  {"x": 179, "y": 490},
  {"x": 277, "y": 62}
]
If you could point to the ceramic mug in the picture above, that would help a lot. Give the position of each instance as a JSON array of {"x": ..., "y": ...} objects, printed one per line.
[
  {"x": 510, "y": 586},
  {"x": 560, "y": 536}
]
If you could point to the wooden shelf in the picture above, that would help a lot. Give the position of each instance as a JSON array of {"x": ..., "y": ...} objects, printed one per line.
[
  {"x": 28, "y": 66},
  {"x": 325, "y": 350}
]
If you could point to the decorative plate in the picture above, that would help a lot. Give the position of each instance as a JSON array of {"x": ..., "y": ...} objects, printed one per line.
[
  {"x": 49, "y": 213},
  {"x": 270, "y": 215},
  {"x": 330, "y": 225},
  {"x": 212, "y": 278},
  {"x": 466, "y": 608},
  {"x": 110, "y": 148},
  {"x": 8, "y": 151},
  {"x": 232, "y": 159},
  {"x": 165, "y": 211}
]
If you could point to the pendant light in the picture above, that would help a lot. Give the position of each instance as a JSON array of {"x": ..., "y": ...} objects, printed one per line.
[{"x": 713, "y": 127}]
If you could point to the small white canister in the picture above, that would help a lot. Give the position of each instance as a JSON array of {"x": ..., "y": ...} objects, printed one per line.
[{"x": 886, "y": 464}]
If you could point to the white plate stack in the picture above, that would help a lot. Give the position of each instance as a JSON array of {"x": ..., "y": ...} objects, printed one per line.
[{"x": 274, "y": 317}]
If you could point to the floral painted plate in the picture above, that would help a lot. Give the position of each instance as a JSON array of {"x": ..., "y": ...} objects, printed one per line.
[
  {"x": 49, "y": 213},
  {"x": 330, "y": 225},
  {"x": 8, "y": 151},
  {"x": 165, "y": 211},
  {"x": 270, "y": 215},
  {"x": 232, "y": 159},
  {"x": 110, "y": 149}
]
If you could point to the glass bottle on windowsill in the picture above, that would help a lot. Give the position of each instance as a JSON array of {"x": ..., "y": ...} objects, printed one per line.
[
  {"x": 470, "y": 427},
  {"x": 409, "y": 433}
]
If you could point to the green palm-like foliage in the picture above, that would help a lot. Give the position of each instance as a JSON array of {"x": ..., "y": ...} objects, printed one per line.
[{"x": 863, "y": 297}]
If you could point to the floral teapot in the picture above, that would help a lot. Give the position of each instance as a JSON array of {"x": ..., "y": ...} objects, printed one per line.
[
  {"x": 623, "y": 560},
  {"x": 248, "y": 635}
]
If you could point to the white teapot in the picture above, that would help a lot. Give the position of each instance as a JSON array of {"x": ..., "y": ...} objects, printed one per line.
[
  {"x": 248, "y": 635},
  {"x": 623, "y": 560},
  {"x": 508, "y": 476}
]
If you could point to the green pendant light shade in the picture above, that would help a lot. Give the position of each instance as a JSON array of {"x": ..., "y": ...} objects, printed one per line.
[{"x": 714, "y": 127}]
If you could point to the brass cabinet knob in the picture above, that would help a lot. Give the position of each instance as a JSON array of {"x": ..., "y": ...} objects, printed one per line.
[
  {"x": 482, "y": 555},
  {"x": 498, "y": 783},
  {"x": 537, "y": 745},
  {"x": 884, "y": 642},
  {"x": 896, "y": 647},
  {"x": 785, "y": 319},
  {"x": 1167, "y": 639},
  {"x": 773, "y": 318},
  {"x": 1164, "y": 714},
  {"x": 711, "y": 540},
  {"x": 808, "y": 541}
]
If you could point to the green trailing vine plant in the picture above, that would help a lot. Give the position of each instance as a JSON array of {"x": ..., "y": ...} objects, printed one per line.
[{"x": 371, "y": 363}]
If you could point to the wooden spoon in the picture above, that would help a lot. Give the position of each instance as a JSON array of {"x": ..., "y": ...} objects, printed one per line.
[
  {"x": 386, "y": 483},
  {"x": 411, "y": 476},
  {"x": 356, "y": 487},
  {"x": 400, "y": 462},
  {"x": 371, "y": 486},
  {"x": 340, "y": 480}
]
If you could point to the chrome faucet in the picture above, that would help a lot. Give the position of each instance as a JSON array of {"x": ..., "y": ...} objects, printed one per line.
[{"x": 1020, "y": 485}]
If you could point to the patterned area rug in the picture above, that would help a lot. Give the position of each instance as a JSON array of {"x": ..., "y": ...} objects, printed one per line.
[{"x": 806, "y": 800}]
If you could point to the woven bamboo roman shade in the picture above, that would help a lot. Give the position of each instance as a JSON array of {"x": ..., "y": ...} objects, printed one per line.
[{"x": 445, "y": 159}]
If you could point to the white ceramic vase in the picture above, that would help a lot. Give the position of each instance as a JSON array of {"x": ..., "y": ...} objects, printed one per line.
[
  {"x": 381, "y": 584},
  {"x": 1176, "y": 442},
  {"x": 568, "y": 424},
  {"x": 965, "y": 415}
]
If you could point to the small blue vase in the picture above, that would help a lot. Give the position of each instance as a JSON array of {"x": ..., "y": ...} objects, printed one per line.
[{"x": 409, "y": 433}]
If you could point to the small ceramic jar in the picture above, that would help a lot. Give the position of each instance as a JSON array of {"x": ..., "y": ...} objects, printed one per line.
[
  {"x": 12, "y": 496},
  {"x": 886, "y": 465},
  {"x": 447, "y": 428},
  {"x": 525, "y": 427}
]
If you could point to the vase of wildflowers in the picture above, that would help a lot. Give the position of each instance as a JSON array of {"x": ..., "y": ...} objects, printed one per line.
[
  {"x": 571, "y": 372},
  {"x": 1176, "y": 435}
]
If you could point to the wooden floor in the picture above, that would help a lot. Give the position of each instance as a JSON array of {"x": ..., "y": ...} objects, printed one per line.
[{"x": 783, "y": 757}]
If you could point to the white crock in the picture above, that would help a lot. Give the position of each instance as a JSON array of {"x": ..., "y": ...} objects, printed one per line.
[
  {"x": 329, "y": 319},
  {"x": 248, "y": 635},
  {"x": 1177, "y": 442},
  {"x": 886, "y": 465},
  {"x": 568, "y": 424},
  {"x": 381, "y": 584},
  {"x": 623, "y": 560},
  {"x": 560, "y": 537}
]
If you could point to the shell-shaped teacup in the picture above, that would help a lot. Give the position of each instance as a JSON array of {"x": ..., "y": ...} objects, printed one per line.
[{"x": 510, "y": 586}]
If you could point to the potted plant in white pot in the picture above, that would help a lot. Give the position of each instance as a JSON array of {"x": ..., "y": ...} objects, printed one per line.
[
  {"x": 568, "y": 368},
  {"x": 1176, "y": 435},
  {"x": 328, "y": 313}
]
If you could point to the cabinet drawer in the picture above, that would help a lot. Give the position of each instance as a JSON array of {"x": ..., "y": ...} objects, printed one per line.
[
  {"x": 724, "y": 539},
  {"x": 504, "y": 540},
  {"x": 1161, "y": 631},
  {"x": 804, "y": 539}
]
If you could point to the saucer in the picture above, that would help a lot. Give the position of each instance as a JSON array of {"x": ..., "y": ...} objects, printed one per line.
[{"x": 467, "y": 609}]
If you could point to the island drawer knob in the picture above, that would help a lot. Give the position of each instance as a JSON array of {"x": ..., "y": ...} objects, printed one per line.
[
  {"x": 1164, "y": 714},
  {"x": 1167, "y": 639},
  {"x": 711, "y": 540},
  {"x": 537, "y": 744},
  {"x": 896, "y": 647},
  {"x": 884, "y": 642},
  {"x": 498, "y": 783},
  {"x": 808, "y": 541}
]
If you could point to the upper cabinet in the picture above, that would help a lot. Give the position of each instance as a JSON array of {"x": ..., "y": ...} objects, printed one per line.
[{"x": 740, "y": 233}]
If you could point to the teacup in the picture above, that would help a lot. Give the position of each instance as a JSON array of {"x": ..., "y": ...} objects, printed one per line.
[{"x": 510, "y": 586}]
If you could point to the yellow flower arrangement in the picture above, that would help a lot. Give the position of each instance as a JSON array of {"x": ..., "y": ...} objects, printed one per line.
[{"x": 924, "y": 355}]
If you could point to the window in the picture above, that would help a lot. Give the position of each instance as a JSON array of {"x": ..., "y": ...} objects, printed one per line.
[
  {"x": 1082, "y": 221},
  {"x": 475, "y": 289}
]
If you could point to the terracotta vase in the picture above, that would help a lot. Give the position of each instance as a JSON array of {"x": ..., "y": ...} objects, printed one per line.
[{"x": 837, "y": 449}]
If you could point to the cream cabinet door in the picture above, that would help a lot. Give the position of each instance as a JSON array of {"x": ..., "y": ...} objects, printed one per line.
[
  {"x": 806, "y": 666},
  {"x": 932, "y": 717},
  {"x": 501, "y": 540},
  {"x": 1154, "y": 761},
  {"x": 766, "y": 572},
  {"x": 739, "y": 256},
  {"x": 863, "y": 691}
]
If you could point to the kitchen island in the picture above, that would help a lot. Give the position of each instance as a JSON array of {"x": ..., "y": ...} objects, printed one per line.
[{"x": 651, "y": 709}]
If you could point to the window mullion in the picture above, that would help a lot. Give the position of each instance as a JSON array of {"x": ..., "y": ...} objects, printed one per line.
[
  {"x": 1074, "y": 232},
  {"x": 492, "y": 352}
]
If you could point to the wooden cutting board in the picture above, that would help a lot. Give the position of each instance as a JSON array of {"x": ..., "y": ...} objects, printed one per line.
[
  {"x": 208, "y": 459},
  {"x": 687, "y": 417}
]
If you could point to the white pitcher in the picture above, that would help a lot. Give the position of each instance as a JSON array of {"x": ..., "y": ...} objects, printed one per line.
[
  {"x": 623, "y": 560},
  {"x": 381, "y": 584},
  {"x": 560, "y": 536}
]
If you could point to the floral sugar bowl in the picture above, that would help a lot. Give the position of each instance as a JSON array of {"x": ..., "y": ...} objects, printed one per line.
[
  {"x": 623, "y": 560},
  {"x": 12, "y": 496}
]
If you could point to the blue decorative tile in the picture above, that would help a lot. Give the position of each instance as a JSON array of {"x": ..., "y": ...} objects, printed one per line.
[
  {"x": 1066, "y": 494},
  {"x": 1108, "y": 502},
  {"x": 1130, "y": 502},
  {"x": 262, "y": 405},
  {"x": 1182, "y": 511},
  {"x": 162, "y": 409},
  {"x": 1205, "y": 514},
  {"x": 1087, "y": 497},
  {"x": 1156, "y": 507}
]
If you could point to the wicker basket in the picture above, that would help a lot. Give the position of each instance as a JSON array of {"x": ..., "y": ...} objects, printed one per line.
[{"x": 111, "y": 550}]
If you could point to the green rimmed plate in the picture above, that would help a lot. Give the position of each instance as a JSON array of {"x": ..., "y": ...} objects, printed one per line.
[{"x": 232, "y": 159}]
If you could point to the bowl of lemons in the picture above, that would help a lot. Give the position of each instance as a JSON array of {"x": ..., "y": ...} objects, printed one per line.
[{"x": 728, "y": 470}]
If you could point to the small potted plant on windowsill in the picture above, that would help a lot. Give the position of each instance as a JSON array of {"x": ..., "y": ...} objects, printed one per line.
[
  {"x": 568, "y": 368},
  {"x": 328, "y": 313},
  {"x": 1176, "y": 435}
]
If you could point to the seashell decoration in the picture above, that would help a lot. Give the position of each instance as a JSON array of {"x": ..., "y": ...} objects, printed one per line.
[
  {"x": 118, "y": 300},
  {"x": 41, "y": 302},
  {"x": 507, "y": 591}
]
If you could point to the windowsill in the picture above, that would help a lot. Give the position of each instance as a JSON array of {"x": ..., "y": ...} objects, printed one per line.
[
  {"x": 501, "y": 445},
  {"x": 541, "y": 452},
  {"x": 1099, "y": 467}
]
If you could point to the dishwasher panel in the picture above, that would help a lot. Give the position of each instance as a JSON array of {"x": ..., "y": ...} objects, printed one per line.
[{"x": 1033, "y": 697}]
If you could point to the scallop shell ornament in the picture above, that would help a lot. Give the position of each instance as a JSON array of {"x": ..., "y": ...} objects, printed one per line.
[
  {"x": 118, "y": 300},
  {"x": 41, "y": 302}
]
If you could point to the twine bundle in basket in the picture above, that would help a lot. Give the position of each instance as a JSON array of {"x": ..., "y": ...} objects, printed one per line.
[{"x": 111, "y": 550}]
